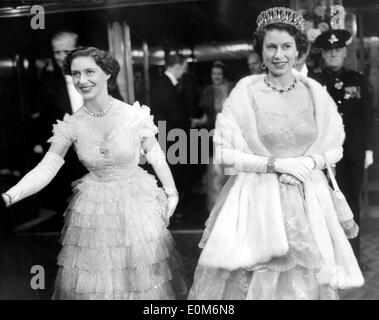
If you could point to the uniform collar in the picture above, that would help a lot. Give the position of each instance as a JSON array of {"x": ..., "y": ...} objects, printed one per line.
[
  {"x": 332, "y": 72},
  {"x": 174, "y": 81}
]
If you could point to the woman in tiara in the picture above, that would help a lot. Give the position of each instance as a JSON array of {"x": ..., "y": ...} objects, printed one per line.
[
  {"x": 115, "y": 241},
  {"x": 274, "y": 232}
]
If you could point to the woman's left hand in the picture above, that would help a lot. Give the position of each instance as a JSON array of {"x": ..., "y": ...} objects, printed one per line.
[
  {"x": 172, "y": 202},
  {"x": 288, "y": 179}
]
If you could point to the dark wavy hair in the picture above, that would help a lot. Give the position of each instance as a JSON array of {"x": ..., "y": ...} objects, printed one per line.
[
  {"x": 300, "y": 37},
  {"x": 102, "y": 58}
]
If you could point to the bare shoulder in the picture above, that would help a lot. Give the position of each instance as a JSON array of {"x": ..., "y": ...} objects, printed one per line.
[
  {"x": 120, "y": 104},
  {"x": 78, "y": 114}
]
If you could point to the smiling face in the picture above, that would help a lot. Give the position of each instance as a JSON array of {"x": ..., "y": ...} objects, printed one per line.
[
  {"x": 89, "y": 79},
  {"x": 217, "y": 76},
  {"x": 279, "y": 52}
]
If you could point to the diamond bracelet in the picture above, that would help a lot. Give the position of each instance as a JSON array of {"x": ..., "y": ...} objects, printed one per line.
[{"x": 270, "y": 167}]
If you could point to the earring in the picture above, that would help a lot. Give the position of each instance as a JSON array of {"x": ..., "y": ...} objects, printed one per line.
[
  {"x": 263, "y": 66},
  {"x": 296, "y": 62}
]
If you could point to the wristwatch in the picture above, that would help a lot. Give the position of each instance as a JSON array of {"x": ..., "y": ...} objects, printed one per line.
[{"x": 270, "y": 167}]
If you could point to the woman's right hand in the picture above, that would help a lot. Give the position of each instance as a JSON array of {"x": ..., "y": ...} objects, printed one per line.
[
  {"x": 4, "y": 202},
  {"x": 300, "y": 168},
  {"x": 172, "y": 202}
]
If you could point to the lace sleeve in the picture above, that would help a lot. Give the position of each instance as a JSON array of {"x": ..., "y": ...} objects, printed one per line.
[
  {"x": 146, "y": 127},
  {"x": 63, "y": 132}
]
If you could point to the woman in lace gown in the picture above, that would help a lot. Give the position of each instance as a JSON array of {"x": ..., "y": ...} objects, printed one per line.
[
  {"x": 115, "y": 241},
  {"x": 274, "y": 232}
]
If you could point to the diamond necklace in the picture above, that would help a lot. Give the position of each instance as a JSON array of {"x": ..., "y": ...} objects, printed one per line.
[
  {"x": 102, "y": 113},
  {"x": 268, "y": 84}
]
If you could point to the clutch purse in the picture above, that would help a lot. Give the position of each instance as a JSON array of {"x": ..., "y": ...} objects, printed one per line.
[{"x": 344, "y": 214}]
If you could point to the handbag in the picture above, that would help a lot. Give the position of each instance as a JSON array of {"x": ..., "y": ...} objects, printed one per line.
[{"x": 344, "y": 214}]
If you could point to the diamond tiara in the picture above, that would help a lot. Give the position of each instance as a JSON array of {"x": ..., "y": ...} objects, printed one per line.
[{"x": 281, "y": 15}]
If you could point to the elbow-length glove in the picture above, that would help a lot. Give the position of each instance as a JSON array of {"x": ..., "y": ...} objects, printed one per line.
[
  {"x": 242, "y": 161},
  {"x": 157, "y": 159},
  {"x": 36, "y": 179},
  {"x": 300, "y": 167},
  {"x": 332, "y": 156}
]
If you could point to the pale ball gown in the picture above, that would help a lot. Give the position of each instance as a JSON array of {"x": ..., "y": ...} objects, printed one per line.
[{"x": 115, "y": 241}]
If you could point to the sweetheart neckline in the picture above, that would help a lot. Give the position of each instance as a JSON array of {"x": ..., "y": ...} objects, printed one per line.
[{"x": 104, "y": 139}]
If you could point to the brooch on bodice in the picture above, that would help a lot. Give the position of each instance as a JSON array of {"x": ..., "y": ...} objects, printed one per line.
[{"x": 104, "y": 150}]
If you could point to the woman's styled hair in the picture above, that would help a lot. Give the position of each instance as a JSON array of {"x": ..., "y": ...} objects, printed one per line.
[
  {"x": 222, "y": 66},
  {"x": 300, "y": 37},
  {"x": 102, "y": 58}
]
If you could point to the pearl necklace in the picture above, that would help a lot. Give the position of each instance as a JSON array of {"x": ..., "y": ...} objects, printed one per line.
[
  {"x": 268, "y": 84},
  {"x": 99, "y": 114}
]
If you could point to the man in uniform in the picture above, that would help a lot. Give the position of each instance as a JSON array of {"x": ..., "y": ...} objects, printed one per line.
[{"x": 350, "y": 91}]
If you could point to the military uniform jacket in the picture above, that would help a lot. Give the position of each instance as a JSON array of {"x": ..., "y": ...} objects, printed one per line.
[{"x": 351, "y": 93}]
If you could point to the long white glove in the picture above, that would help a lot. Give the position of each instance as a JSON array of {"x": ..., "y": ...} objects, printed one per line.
[
  {"x": 36, "y": 179},
  {"x": 369, "y": 158},
  {"x": 157, "y": 159},
  {"x": 243, "y": 161},
  {"x": 300, "y": 167},
  {"x": 332, "y": 156}
]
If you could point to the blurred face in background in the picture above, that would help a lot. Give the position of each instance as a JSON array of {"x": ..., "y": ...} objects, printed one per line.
[
  {"x": 217, "y": 76},
  {"x": 334, "y": 58},
  {"x": 254, "y": 63},
  {"x": 61, "y": 47},
  {"x": 179, "y": 69},
  {"x": 300, "y": 62}
]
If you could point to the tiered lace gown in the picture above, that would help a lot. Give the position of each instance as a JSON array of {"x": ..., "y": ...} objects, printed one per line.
[
  {"x": 286, "y": 131},
  {"x": 115, "y": 241}
]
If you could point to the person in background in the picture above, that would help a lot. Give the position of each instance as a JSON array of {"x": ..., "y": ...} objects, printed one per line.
[
  {"x": 254, "y": 63},
  {"x": 169, "y": 107},
  {"x": 351, "y": 93},
  {"x": 10, "y": 133},
  {"x": 301, "y": 65},
  {"x": 55, "y": 97},
  {"x": 211, "y": 102}
]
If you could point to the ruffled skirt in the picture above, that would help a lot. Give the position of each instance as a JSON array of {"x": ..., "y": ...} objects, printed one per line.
[
  {"x": 289, "y": 277},
  {"x": 116, "y": 244}
]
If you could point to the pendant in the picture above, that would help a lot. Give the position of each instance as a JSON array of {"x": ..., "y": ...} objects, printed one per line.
[{"x": 103, "y": 151}]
